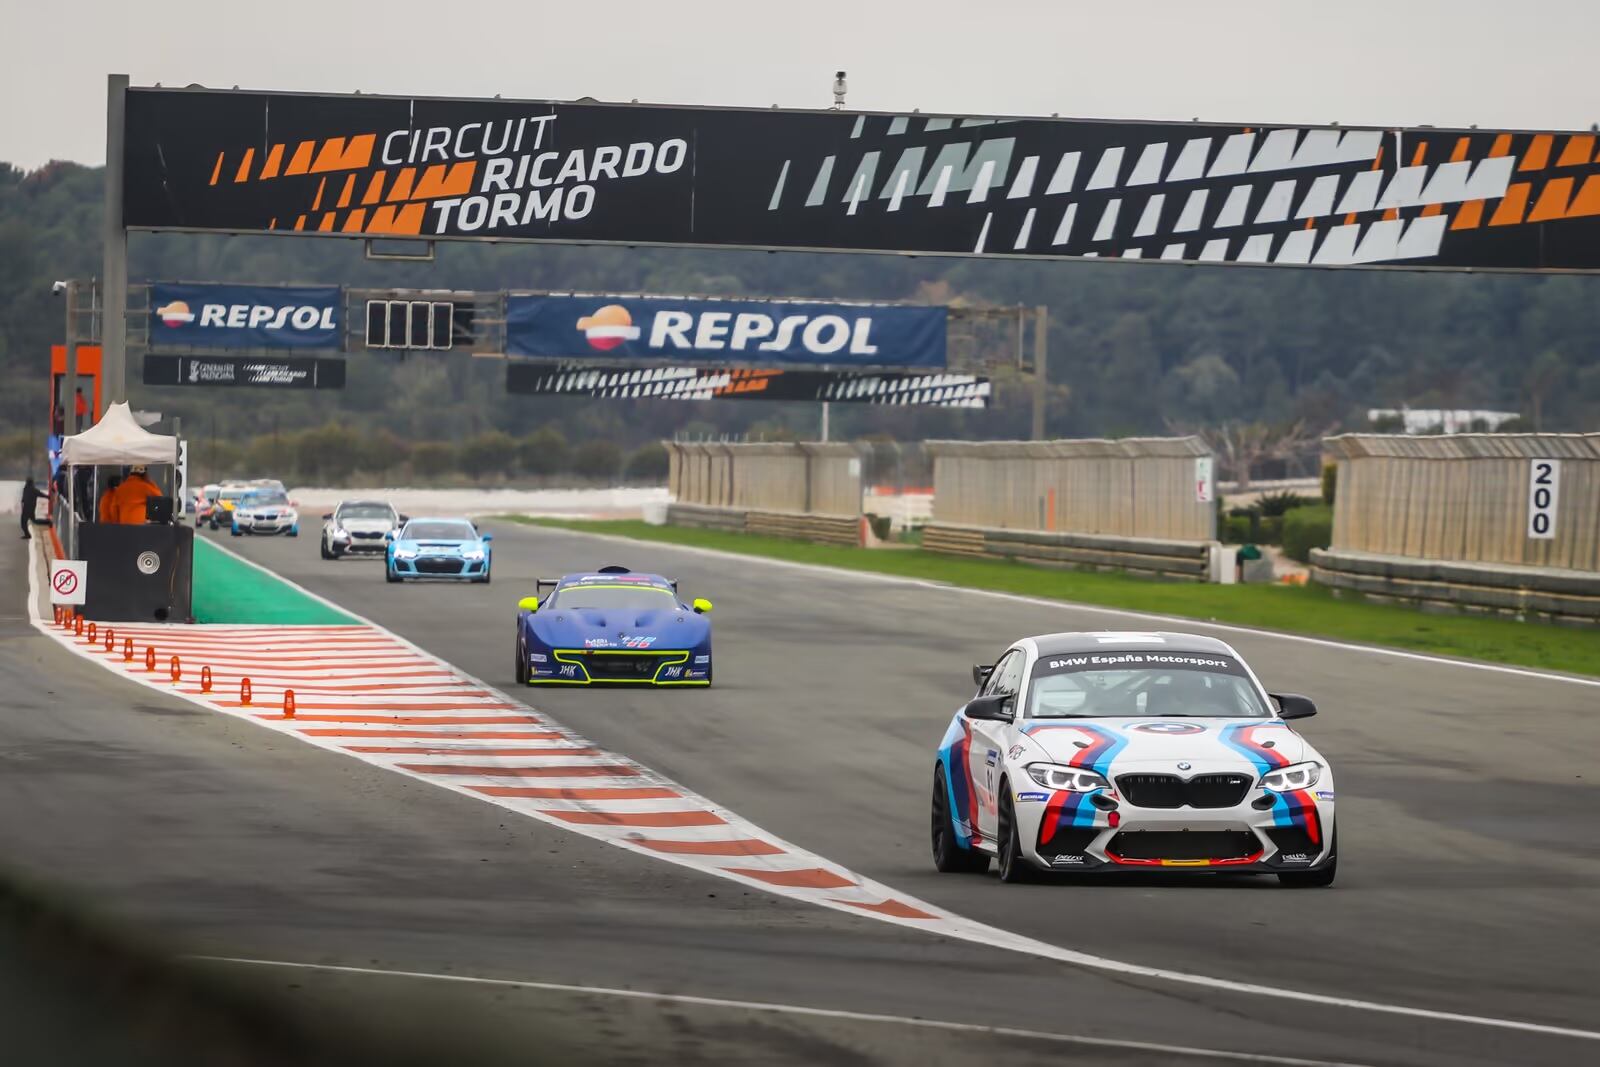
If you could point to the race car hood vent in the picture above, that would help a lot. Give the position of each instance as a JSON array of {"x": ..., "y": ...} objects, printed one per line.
[{"x": 1159, "y": 742}]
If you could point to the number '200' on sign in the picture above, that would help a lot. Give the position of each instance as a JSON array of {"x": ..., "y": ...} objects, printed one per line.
[{"x": 1544, "y": 491}]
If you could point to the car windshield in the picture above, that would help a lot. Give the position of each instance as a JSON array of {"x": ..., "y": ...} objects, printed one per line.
[
  {"x": 231, "y": 492},
  {"x": 365, "y": 511},
  {"x": 439, "y": 531},
  {"x": 1110, "y": 684},
  {"x": 266, "y": 499},
  {"x": 614, "y": 596}
]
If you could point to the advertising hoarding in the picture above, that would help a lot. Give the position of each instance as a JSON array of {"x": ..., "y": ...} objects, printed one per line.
[
  {"x": 713, "y": 383},
  {"x": 245, "y": 316},
  {"x": 725, "y": 331},
  {"x": 235, "y": 161},
  {"x": 275, "y": 372}
]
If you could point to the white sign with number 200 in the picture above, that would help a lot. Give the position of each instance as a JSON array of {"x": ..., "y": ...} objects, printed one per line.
[{"x": 1544, "y": 490}]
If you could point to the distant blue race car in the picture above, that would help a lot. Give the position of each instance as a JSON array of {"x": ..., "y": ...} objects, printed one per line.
[
  {"x": 612, "y": 626},
  {"x": 438, "y": 548}
]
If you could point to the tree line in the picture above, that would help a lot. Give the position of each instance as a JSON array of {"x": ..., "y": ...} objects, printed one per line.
[{"x": 1134, "y": 348}]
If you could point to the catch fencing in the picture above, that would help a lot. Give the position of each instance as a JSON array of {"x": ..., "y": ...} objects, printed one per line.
[
  {"x": 1503, "y": 522},
  {"x": 806, "y": 491},
  {"x": 1138, "y": 504}
]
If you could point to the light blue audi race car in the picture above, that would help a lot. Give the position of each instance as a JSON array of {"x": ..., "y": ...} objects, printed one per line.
[
  {"x": 438, "y": 548},
  {"x": 612, "y": 626}
]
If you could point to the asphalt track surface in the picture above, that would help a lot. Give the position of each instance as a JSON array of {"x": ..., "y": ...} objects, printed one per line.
[{"x": 1466, "y": 811}]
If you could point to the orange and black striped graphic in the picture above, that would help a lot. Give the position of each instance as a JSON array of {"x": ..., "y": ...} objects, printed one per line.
[
  {"x": 1184, "y": 192},
  {"x": 711, "y": 383}
]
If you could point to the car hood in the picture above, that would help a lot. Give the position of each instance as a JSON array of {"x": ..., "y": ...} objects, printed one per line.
[
  {"x": 667, "y": 628},
  {"x": 438, "y": 545},
  {"x": 366, "y": 525},
  {"x": 1163, "y": 742}
]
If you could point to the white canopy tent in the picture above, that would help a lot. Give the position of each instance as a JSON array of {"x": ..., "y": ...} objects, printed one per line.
[{"x": 118, "y": 440}]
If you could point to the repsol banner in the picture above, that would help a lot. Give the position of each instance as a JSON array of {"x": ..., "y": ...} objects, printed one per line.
[
  {"x": 724, "y": 331},
  {"x": 282, "y": 372},
  {"x": 245, "y": 316},
  {"x": 641, "y": 174},
  {"x": 711, "y": 383}
]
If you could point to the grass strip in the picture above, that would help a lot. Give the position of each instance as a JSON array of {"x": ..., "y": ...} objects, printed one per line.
[
  {"x": 228, "y": 590},
  {"x": 1309, "y": 609}
]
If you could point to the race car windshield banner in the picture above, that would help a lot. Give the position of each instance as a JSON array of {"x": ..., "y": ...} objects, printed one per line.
[
  {"x": 709, "y": 383},
  {"x": 245, "y": 316},
  {"x": 725, "y": 331},
  {"x": 1078, "y": 662},
  {"x": 286, "y": 372},
  {"x": 1190, "y": 192}
]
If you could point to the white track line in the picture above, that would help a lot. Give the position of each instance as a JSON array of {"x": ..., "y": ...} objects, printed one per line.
[
  {"x": 795, "y": 1009},
  {"x": 924, "y": 916},
  {"x": 1046, "y": 602}
]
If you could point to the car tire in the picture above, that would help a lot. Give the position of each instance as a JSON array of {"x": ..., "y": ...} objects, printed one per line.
[
  {"x": 948, "y": 855},
  {"x": 326, "y": 552},
  {"x": 1320, "y": 878},
  {"x": 482, "y": 581},
  {"x": 522, "y": 665},
  {"x": 236, "y": 531},
  {"x": 1014, "y": 866},
  {"x": 389, "y": 575},
  {"x": 294, "y": 531}
]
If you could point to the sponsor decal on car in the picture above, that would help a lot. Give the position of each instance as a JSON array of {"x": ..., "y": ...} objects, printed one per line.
[
  {"x": 1067, "y": 859},
  {"x": 991, "y": 757},
  {"x": 672, "y": 672},
  {"x": 702, "y": 659},
  {"x": 569, "y": 670},
  {"x": 1324, "y": 794},
  {"x": 1015, "y": 752},
  {"x": 640, "y": 641},
  {"x": 538, "y": 657},
  {"x": 1023, "y": 798},
  {"x": 1294, "y": 857},
  {"x": 596, "y": 642}
]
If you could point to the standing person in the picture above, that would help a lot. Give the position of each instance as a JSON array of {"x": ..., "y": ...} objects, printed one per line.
[
  {"x": 80, "y": 408},
  {"x": 30, "y": 498},
  {"x": 130, "y": 496},
  {"x": 106, "y": 511}
]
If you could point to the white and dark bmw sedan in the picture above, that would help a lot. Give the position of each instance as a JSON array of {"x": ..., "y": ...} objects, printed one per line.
[{"x": 1115, "y": 752}]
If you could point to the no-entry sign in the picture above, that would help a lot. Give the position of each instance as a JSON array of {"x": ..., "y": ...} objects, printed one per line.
[{"x": 67, "y": 581}]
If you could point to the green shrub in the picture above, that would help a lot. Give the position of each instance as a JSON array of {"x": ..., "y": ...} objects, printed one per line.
[
  {"x": 1270, "y": 504},
  {"x": 648, "y": 463},
  {"x": 1330, "y": 482},
  {"x": 1271, "y": 532},
  {"x": 544, "y": 451},
  {"x": 881, "y": 526},
  {"x": 1307, "y": 528},
  {"x": 597, "y": 459},
  {"x": 433, "y": 458},
  {"x": 490, "y": 452},
  {"x": 1236, "y": 529},
  {"x": 1252, "y": 522}
]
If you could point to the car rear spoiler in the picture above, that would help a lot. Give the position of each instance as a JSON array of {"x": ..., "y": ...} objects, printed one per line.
[{"x": 540, "y": 583}]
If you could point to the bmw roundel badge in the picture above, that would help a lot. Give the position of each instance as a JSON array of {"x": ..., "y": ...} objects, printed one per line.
[{"x": 1185, "y": 765}]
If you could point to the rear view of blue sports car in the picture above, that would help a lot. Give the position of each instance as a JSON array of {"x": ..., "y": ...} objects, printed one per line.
[{"x": 612, "y": 626}]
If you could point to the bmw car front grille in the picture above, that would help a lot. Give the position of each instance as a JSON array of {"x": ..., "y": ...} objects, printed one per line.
[
  {"x": 1170, "y": 791},
  {"x": 1156, "y": 845}
]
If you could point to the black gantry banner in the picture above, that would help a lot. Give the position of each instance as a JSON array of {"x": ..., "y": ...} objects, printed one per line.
[
  {"x": 643, "y": 174},
  {"x": 275, "y": 372},
  {"x": 713, "y": 383}
]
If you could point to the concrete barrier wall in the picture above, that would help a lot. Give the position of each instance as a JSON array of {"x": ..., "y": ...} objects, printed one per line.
[
  {"x": 1138, "y": 487},
  {"x": 799, "y": 477},
  {"x": 1466, "y": 497},
  {"x": 1444, "y": 521},
  {"x": 793, "y": 525}
]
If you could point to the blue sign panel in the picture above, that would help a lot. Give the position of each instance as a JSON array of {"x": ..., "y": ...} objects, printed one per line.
[
  {"x": 245, "y": 316},
  {"x": 686, "y": 329}
]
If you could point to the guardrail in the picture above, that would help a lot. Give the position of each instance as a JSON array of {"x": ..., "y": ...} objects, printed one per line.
[
  {"x": 1148, "y": 556},
  {"x": 793, "y": 525},
  {"x": 1548, "y": 594}
]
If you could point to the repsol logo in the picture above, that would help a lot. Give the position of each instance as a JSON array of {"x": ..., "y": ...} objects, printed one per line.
[
  {"x": 266, "y": 317},
  {"x": 749, "y": 331}
]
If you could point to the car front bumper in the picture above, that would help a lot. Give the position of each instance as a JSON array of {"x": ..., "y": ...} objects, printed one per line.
[
  {"x": 282, "y": 524},
  {"x": 441, "y": 567},
  {"x": 1104, "y": 832},
  {"x": 615, "y": 666}
]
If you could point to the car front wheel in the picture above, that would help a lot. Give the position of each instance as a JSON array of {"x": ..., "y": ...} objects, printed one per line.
[
  {"x": 1014, "y": 866},
  {"x": 948, "y": 855},
  {"x": 326, "y": 553},
  {"x": 522, "y": 666},
  {"x": 388, "y": 573}
]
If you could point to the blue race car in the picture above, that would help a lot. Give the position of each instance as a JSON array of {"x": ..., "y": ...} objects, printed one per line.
[
  {"x": 612, "y": 626},
  {"x": 437, "y": 548}
]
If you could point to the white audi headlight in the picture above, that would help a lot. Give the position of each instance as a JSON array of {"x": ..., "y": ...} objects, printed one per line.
[
  {"x": 1295, "y": 776},
  {"x": 1071, "y": 779},
  {"x": 405, "y": 553},
  {"x": 472, "y": 553}
]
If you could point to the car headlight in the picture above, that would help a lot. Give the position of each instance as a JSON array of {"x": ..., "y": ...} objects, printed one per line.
[
  {"x": 1071, "y": 779},
  {"x": 472, "y": 553},
  {"x": 405, "y": 553},
  {"x": 1295, "y": 776},
  {"x": 340, "y": 534}
]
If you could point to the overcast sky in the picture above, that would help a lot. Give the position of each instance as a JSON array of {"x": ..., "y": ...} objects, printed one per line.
[{"x": 1529, "y": 64}]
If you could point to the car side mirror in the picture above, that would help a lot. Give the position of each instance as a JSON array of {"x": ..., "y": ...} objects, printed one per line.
[
  {"x": 329, "y": 515},
  {"x": 981, "y": 672},
  {"x": 528, "y": 603},
  {"x": 1293, "y": 706},
  {"x": 486, "y": 537},
  {"x": 389, "y": 535},
  {"x": 996, "y": 708},
  {"x": 404, "y": 519},
  {"x": 701, "y": 605}
]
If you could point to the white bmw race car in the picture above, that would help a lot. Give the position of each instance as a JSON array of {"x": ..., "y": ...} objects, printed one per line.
[
  {"x": 1114, "y": 752},
  {"x": 359, "y": 528}
]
